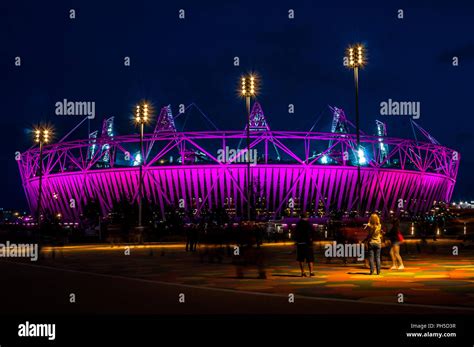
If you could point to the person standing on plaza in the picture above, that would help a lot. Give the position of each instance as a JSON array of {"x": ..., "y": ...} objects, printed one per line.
[
  {"x": 396, "y": 239},
  {"x": 304, "y": 245},
  {"x": 374, "y": 240}
]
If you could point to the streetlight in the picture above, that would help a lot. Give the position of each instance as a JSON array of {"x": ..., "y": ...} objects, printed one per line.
[
  {"x": 248, "y": 90},
  {"x": 42, "y": 135},
  {"x": 357, "y": 59},
  {"x": 142, "y": 116}
]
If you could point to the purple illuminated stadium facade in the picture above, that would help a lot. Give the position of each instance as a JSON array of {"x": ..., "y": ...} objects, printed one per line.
[{"x": 300, "y": 170}]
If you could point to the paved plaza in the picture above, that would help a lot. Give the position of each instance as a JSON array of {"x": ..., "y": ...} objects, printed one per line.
[{"x": 433, "y": 277}]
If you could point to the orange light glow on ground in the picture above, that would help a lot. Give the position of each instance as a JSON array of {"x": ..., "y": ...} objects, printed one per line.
[{"x": 434, "y": 271}]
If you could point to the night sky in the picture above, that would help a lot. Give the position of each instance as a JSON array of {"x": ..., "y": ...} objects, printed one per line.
[{"x": 176, "y": 61}]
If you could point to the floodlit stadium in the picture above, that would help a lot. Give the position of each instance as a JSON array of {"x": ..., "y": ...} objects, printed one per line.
[{"x": 204, "y": 170}]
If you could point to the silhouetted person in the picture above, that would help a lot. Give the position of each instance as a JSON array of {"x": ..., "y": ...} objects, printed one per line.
[
  {"x": 194, "y": 238},
  {"x": 304, "y": 245},
  {"x": 189, "y": 245}
]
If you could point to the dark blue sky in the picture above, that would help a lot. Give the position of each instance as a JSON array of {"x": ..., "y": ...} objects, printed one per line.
[{"x": 177, "y": 61}]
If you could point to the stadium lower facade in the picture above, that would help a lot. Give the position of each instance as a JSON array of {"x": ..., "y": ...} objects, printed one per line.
[{"x": 290, "y": 170}]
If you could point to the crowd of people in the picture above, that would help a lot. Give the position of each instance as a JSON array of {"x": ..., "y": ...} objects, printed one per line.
[
  {"x": 216, "y": 241},
  {"x": 217, "y": 233},
  {"x": 376, "y": 239}
]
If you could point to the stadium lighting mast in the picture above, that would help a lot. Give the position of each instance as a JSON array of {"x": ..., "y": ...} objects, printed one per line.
[
  {"x": 356, "y": 56},
  {"x": 142, "y": 117},
  {"x": 248, "y": 90},
  {"x": 42, "y": 136}
]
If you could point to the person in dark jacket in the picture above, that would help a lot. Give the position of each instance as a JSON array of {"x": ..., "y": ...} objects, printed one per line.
[{"x": 304, "y": 245}]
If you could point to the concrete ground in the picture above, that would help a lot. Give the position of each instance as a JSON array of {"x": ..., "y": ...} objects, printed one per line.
[{"x": 151, "y": 278}]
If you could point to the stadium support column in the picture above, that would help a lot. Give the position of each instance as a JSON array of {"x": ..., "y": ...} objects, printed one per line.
[
  {"x": 142, "y": 116},
  {"x": 356, "y": 59},
  {"x": 42, "y": 135},
  {"x": 40, "y": 186},
  {"x": 140, "y": 184},
  {"x": 248, "y": 90},
  {"x": 247, "y": 101},
  {"x": 356, "y": 82}
]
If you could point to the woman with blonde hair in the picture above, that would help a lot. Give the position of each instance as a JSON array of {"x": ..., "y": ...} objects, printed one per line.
[{"x": 374, "y": 240}]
